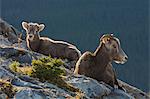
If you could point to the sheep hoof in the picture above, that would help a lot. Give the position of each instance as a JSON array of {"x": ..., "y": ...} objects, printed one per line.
[{"x": 121, "y": 88}]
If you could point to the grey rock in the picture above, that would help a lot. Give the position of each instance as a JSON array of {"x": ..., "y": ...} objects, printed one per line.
[
  {"x": 29, "y": 93},
  {"x": 4, "y": 41},
  {"x": 21, "y": 83},
  {"x": 133, "y": 91},
  {"x": 89, "y": 86},
  {"x": 6, "y": 75},
  {"x": 18, "y": 54},
  {"x": 118, "y": 94},
  {"x": 3, "y": 96},
  {"x": 8, "y": 31}
]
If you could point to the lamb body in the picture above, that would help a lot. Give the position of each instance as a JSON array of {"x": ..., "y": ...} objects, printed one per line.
[{"x": 47, "y": 46}]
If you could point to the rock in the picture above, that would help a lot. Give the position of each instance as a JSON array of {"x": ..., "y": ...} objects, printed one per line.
[
  {"x": 53, "y": 91},
  {"x": 6, "y": 75},
  {"x": 10, "y": 36},
  {"x": 29, "y": 93},
  {"x": 133, "y": 91},
  {"x": 3, "y": 96},
  {"x": 18, "y": 54},
  {"x": 4, "y": 41},
  {"x": 8, "y": 31},
  {"x": 89, "y": 86},
  {"x": 118, "y": 94},
  {"x": 21, "y": 83}
]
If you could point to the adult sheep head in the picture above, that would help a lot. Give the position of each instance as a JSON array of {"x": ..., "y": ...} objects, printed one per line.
[{"x": 113, "y": 48}]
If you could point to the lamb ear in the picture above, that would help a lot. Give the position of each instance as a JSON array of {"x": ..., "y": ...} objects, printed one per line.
[
  {"x": 101, "y": 39},
  {"x": 41, "y": 27},
  {"x": 25, "y": 25}
]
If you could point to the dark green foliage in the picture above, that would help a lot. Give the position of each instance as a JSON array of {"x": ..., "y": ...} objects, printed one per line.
[{"x": 47, "y": 68}]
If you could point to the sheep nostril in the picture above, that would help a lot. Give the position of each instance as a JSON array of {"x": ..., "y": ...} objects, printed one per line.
[
  {"x": 30, "y": 36},
  {"x": 126, "y": 58}
]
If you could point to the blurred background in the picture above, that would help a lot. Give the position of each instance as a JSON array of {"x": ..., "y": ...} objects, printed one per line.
[{"x": 82, "y": 22}]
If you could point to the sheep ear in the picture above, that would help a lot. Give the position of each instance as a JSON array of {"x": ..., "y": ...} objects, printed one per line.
[
  {"x": 41, "y": 27},
  {"x": 104, "y": 39},
  {"x": 25, "y": 25}
]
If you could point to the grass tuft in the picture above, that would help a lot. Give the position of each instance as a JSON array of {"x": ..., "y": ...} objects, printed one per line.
[{"x": 13, "y": 66}]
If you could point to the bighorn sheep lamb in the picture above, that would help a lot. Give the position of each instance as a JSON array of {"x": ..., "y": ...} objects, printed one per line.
[
  {"x": 46, "y": 46},
  {"x": 98, "y": 65}
]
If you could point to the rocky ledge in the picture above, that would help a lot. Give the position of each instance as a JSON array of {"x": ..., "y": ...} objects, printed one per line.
[{"x": 17, "y": 85}]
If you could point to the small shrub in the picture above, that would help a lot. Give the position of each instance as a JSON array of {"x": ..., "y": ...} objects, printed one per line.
[
  {"x": 13, "y": 66},
  {"x": 7, "y": 88},
  {"x": 47, "y": 68}
]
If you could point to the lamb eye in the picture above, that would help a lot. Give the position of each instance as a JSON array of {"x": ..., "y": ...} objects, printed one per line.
[
  {"x": 36, "y": 30},
  {"x": 108, "y": 39}
]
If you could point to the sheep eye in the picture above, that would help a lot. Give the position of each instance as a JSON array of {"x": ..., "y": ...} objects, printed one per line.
[{"x": 114, "y": 46}]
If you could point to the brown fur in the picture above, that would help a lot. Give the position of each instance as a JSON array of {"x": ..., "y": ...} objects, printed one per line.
[
  {"x": 98, "y": 65},
  {"x": 48, "y": 46}
]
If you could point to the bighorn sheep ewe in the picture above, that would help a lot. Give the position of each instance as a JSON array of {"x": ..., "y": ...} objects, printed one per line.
[
  {"x": 98, "y": 65},
  {"x": 46, "y": 46}
]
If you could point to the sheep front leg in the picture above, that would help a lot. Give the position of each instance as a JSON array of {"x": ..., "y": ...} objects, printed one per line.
[{"x": 117, "y": 83}]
